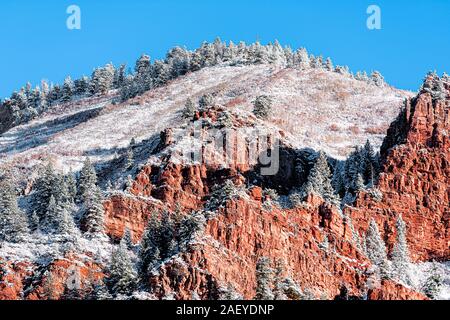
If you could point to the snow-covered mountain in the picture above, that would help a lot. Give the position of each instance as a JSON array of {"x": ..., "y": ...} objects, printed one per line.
[{"x": 97, "y": 182}]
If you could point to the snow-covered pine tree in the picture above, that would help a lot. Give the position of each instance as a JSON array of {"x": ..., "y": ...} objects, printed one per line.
[
  {"x": 102, "y": 80},
  {"x": 13, "y": 222},
  {"x": 161, "y": 73},
  {"x": 229, "y": 293},
  {"x": 264, "y": 274},
  {"x": 178, "y": 60},
  {"x": 129, "y": 157},
  {"x": 207, "y": 100},
  {"x": 119, "y": 76},
  {"x": 329, "y": 65},
  {"x": 376, "y": 250},
  {"x": 128, "y": 238},
  {"x": 93, "y": 215},
  {"x": 377, "y": 79},
  {"x": 43, "y": 190},
  {"x": 67, "y": 90},
  {"x": 278, "y": 287},
  {"x": 71, "y": 184},
  {"x": 189, "y": 109},
  {"x": 262, "y": 107},
  {"x": 400, "y": 254},
  {"x": 82, "y": 85},
  {"x": 87, "y": 179},
  {"x": 143, "y": 74},
  {"x": 123, "y": 277},
  {"x": 319, "y": 180},
  {"x": 433, "y": 284},
  {"x": 149, "y": 253},
  {"x": 99, "y": 292}
]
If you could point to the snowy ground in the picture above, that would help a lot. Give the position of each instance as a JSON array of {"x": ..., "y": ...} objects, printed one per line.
[{"x": 318, "y": 109}]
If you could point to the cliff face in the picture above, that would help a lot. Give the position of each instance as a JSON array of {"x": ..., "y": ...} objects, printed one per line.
[{"x": 415, "y": 182}]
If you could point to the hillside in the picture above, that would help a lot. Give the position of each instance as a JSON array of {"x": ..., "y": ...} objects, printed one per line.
[
  {"x": 127, "y": 193},
  {"x": 318, "y": 109}
]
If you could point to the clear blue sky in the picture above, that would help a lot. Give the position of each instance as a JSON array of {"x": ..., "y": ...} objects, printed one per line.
[{"x": 36, "y": 44}]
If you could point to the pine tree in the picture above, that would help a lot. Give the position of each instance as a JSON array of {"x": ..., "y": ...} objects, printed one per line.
[
  {"x": 67, "y": 90},
  {"x": 123, "y": 277},
  {"x": 189, "y": 109},
  {"x": 99, "y": 292},
  {"x": 149, "y": 252},
  {"x": 128, "y": 238},
  {"x": 377, "y": 79},
  {"x": 433, "y": 284},
  {"x": 376, "y": 249},
  {"x": 43, "y": 190},
  {"x": 58, "y": 219},
  {"x": 81, "y": 85},
  {"x": 279, "y": 287},
  {"x": 319, "y": 180},
  {"x": 160, "y": 73},
  {"x": 13, "y": 222},
  {"x": 400, "y": 254},
  {"x": 102, "y": 79},
  {"x": 71, "y": 184},
  {"x": 264, "y": 279},
  {"x": 207, "y": 100},
  {"x": 329, "y": 65},
  {"x": 143, "y": 76},
  {"x": 87, "y": 179},
  {"x": 129, "y": 158},
  {"x": 93, "y": 215},
  {"x": 119, "y": 77},
  {"x": 262, "y": 107}
]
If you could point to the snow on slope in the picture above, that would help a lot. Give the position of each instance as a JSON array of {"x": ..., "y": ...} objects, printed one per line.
[{"x": 318, "y": 109}]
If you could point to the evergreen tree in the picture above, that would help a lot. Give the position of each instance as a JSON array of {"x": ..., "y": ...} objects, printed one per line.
[
  {"x": 377, "y": 79},
  {"x": 129, "y": 158},
  {"x": 43, "y": 190},
  {"x": 123, "y": 277},
  {"x": 264, "y": 279},
  {"x": 376, "y": 250},
  {"x": 93, "y": 215},
  {"x": 71, "y": 184},
  {"x": 58, "y": 219},
  {"x": 81, "y": 85},
  {"x": 119, "y": 77},
  {"x": 329, "y": 65},
  {"x": 13, "y": 222},
  {"x": 189, "y": 109},
  {"x": 319, "y": 180},
  {"x": 206, "y": 101},
  {"x": 128, "y": 238},
  {"x": 87, "y": 179},
  {"x": 99, "y": 292},
  {"x": 161, "y": 73},
  {"x": 433, "y": 284},
  {"x": 143, "y": 76},
  {"x": 149, "y": 252},
  {"x": 67, "y": 90},
  {"x": 400, "y": 254},
  {"x": 279, "y": 287},
  {"x": 262, "y": 107},
  {"x": 102, "y": 80}
]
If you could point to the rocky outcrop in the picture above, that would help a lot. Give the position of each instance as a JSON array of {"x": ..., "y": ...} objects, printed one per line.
[
  {"x": 415, "y": 180},
  {"x": 27, "y": 280},
  {"x": 389, "y": 290}
]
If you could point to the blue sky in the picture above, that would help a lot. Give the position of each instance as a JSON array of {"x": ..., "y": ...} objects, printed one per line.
[{"x": 35, "y": 43}]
